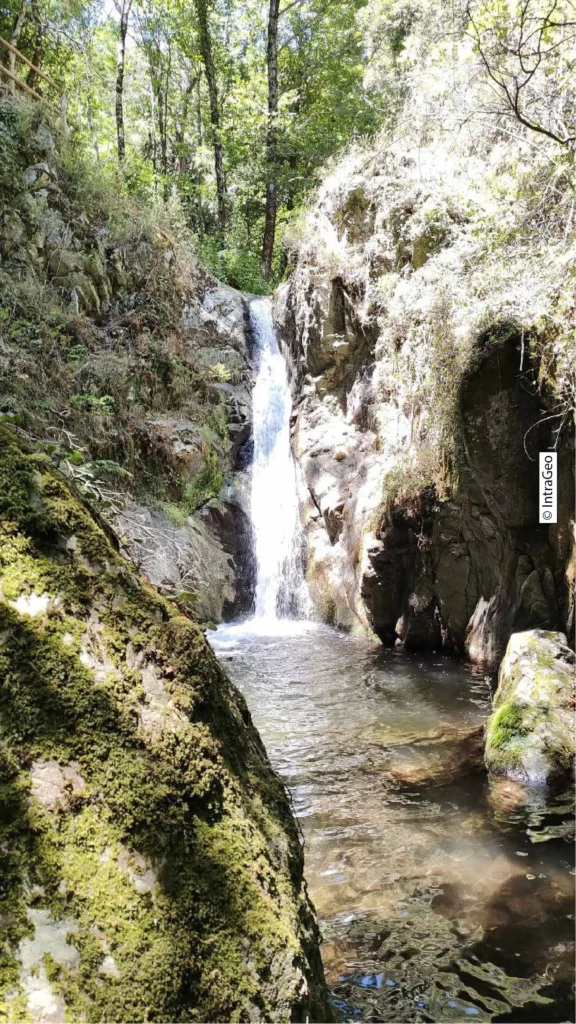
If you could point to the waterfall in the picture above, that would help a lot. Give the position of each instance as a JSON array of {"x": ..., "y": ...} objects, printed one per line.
[{"x": 281, "y": 590}]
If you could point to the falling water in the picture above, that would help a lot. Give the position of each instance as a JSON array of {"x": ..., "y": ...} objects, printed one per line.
[{"x": 281, "y": 590}]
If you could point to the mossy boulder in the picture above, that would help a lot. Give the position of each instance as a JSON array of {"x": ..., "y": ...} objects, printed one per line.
[
  {"x": 150, "y": 866},
  {"x": 530, "y": 736}
]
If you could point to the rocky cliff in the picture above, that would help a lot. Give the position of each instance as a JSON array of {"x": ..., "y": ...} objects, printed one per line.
[
  {"x": 125, "y": 362},
  {"x": 151, "y": 868},
  {"x": 432, "y": 357}
]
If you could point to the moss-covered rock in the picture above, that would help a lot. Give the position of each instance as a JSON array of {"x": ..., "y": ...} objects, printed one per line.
[
  {"x": 530, "y": 736},
  {"x": 150, "y": 865}
]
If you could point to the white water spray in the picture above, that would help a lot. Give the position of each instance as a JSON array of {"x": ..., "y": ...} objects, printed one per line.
[{"x": 281, "y": 590}]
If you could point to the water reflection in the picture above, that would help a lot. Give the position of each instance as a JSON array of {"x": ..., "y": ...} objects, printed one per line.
[{"x": 441, "y": 896}]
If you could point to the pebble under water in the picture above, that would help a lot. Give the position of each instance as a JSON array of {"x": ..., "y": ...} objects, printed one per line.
[{"x": 441, "y": 895}]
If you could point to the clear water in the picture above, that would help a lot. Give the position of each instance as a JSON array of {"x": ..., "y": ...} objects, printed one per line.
[
  {"x": 280, "y": 585},
  {"x": 441, "y": 896}
]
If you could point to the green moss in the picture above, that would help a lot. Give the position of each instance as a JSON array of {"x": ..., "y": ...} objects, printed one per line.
[
  {"x": 505, "y": 735},
  {"x": 218, "y": 931},
  {"x": 533, "y": 737},
  {"x": 506, "y": 725},
  {"x": 329, "y": 612}
]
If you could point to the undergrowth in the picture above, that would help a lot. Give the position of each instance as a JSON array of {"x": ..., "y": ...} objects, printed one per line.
[{"x": 92, "y": 354}]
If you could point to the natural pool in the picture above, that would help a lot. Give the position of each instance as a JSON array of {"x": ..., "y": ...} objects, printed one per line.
[{"x": 441, "y": 895}]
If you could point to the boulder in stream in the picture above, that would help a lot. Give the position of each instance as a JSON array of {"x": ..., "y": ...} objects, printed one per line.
[{"x": 530, "y": 736}]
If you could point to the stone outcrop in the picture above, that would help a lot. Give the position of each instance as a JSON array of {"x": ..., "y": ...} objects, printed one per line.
[
  {"x": 206, "y": 555},
  {"x": 531, "y": 735},
  {"x": 419, "y": 414},
  {"x": 206, "y": 561},
  {"x": 151, "y": 867},
  {"x": 145, "y": 360}
]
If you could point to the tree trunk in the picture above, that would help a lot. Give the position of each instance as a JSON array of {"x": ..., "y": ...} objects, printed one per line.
[
  {"x": 164, "y": 130},
  {"x": 124, "y": 11},
  {"x": 271, "y": 142},
  {"x": 181, "y": 157},
  {"x": 18, "y": 25},
  {"x": 91, "y": 128},
  {"x": 32, "y": 76},
  {"x": 207, "y": 59},
  {"x": 159, "y": 84},
  {"x": 152, "y": 136},
  {"x": 198, "y": 177}
]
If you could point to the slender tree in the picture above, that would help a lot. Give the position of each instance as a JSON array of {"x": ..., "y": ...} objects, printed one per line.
[
  {"x": 181, "y": 153},
  {"x": 32, "y": 76},
  {"x": 123, "y": 9},
  {"x": 159, "y": 65},
  {"x": 529, "y": 60},
  {"x": 16, "y": 32},
  {"x": 205, "y": 40},
  {"x": 271, "y": 141}
]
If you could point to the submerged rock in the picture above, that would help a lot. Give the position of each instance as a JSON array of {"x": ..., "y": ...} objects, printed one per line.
[
  {"x": 530, "y": 736},
  {"x": 445, "y": 754},
  {"x": 151, "y": 868}
]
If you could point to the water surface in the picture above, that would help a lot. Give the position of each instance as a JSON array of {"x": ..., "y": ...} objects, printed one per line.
[{"x": 441, "y": 896}]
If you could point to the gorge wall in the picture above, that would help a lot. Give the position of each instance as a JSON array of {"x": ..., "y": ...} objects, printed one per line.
[
  {"x": 126, "y": 363},
  {"x": 429, "y": 370}
]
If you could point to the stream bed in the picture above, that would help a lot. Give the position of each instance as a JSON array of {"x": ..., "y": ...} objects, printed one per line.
[{"x": 441, "y": 895}]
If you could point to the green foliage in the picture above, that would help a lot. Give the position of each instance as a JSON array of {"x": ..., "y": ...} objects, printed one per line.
[
  {"x": 238, "y": 266},
  {"x": 94, "y": 405},
  {"x": 17, "y": 120},
  {"x": 77, "y": 353},
  {"x": 527, "y": 51},
  {"x": 108, "y": 468},
  {"x": 169, "y": 158},
  {"x": 206, "y": 484},
  {"x": 221, "y": 373}
]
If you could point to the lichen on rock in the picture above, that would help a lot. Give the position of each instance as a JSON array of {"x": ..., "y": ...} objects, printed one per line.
[
  {"x": 165, "y": 860},
  {"x": 531, "y": 734}
]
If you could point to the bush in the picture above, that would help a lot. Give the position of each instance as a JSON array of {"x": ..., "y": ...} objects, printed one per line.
[{"x": 237, "y": 263}]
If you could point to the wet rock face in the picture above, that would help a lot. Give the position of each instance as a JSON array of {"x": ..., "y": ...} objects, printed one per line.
[
  {"x": 461, "y": 573},
  {"x": 530, "y": 736},
  {"x": 151, "y": 867},
  {"x": 206, "y": 560}
]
